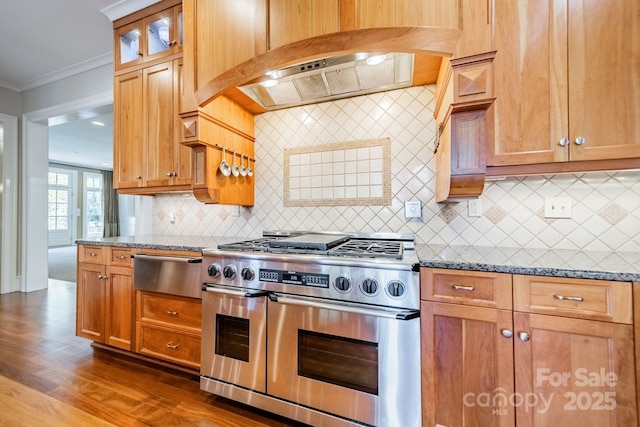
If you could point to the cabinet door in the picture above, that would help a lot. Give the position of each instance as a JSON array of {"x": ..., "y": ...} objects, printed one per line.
[
  {"x": 574, "y": 372},
  {"x": 159, "y": 121},
  {"x": 128, "y": 143},
  {"x": 163, "y": 33},
  {"x": 604, "y": 88},
  {"x": 467, "y": 366},
  {"x": 531, "y": 111},
  {"x": 290, "y": 21},
  {"x": 119, "y": 318},
  {"x": 129, "y": 43},
  {"x": 90, "y": 305}
]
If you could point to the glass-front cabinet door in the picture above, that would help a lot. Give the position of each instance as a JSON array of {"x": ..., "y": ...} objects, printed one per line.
[
  {"x": 163, "y": 33},
  {"x": 128, "y": 45},
  {"x": 151, "y": 38}
]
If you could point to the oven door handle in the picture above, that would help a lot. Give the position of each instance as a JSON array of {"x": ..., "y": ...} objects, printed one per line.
[
  {"x": 238, "y": 293},
  {"x": 356, "y": 309}
]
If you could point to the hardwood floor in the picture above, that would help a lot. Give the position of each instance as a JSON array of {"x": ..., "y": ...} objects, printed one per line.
[{"x": 50, "y": 377}]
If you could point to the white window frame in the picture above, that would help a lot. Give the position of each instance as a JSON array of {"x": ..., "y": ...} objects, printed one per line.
[{"x": 85, "y": 210}]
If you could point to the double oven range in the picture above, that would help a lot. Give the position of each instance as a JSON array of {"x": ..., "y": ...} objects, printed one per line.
[{"x": 322, "y": 328}]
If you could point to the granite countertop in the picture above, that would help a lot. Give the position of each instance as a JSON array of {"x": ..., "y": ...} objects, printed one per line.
[
  {"x": 604, "y": 265},
  {"x": 619, "y": 266}
]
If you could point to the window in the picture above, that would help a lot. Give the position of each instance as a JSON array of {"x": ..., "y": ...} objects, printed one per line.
[
  {"x": 60, "y": 203},
  {"x": 93, "y": 210},
  {"x": 58, "y": 206}
]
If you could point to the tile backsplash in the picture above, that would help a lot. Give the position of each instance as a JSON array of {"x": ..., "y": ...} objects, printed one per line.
[{"x": 605, "y": 206}]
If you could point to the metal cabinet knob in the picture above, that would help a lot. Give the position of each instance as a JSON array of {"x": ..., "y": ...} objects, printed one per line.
[
  {"x": 506, "y": 333},
  {"x": 524, "y": 336},
  {"x": 580, "y": 140},
  {"x": 563, "y": 142},
  {"x": 168, "y": 173},
  {"x": 138, "y": 177}
]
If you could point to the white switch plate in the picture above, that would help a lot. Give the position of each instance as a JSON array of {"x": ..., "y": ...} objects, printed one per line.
[
  {"x": 474, "y": 207},
  {"x": 413, "y": 209},
  {"x": 557, "y": 207}
]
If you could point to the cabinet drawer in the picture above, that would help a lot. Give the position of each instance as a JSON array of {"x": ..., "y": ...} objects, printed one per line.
[
  {"x": 580, "y": 298},
  {"x": 168, "y": 344},
  {"x": 120, "y": 257},
  {"x": 479, "y": 289},
  {"x": 92, "y": 254},
  {"x": 170, "y": 311}
]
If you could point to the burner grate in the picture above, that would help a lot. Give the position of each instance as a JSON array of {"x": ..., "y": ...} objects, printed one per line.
[{"x": 369, "y": 249}]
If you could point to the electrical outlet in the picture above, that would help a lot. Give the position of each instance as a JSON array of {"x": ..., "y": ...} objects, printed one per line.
[
  {"x": 474, "y": 207},
  {"x": 557, "y": 207}
]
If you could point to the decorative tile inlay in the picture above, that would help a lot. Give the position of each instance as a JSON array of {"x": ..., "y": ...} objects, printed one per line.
[
  {"x": 613, "y": 213},
  {"x": 512, "y": 209},
  {"x": 356, "y": 173}
]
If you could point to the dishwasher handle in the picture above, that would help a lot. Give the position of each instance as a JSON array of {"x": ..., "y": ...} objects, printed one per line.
[
  {"x": 399, "y": 314},
  {"x": 189, "y": 260}
]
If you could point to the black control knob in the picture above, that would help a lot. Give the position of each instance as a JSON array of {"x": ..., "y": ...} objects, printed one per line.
[
  {"x": 369, "y": 286},
  {"x": 342, "y": 283},
  {"x": 247, "y": 274},
  {"x": 229, "y": 272},
  {"x": 214, "y": 270},
  {"x": 396, "y": 288}
]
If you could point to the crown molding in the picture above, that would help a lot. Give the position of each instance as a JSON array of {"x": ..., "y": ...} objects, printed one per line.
[
  {"x": 72, "y": 70},
  {"x": 126, "y": 7}
]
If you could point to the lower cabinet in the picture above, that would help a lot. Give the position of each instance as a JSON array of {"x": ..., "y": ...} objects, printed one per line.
[
  {"x": 563, "y": 355},
  {"x": 168, "y": 328},
  {"x": 105, "y": 296}
]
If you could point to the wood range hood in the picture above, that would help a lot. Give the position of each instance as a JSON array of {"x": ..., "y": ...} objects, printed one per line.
[{"x": 428, "y": 45}]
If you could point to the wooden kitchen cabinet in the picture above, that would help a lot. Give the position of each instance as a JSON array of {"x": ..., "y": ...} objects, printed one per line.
[
  {"x": 466, "y": 346},
  {"x": 105, "y": 296},
  {"x": 566, "y": 86},
  {"x": 567, "y": 346},
  {"x": 148, "y": 155},
  {"x": 169, "y": 328},
  {"x": 148, "y": 35},
  {"x": 465, "y": 357}
]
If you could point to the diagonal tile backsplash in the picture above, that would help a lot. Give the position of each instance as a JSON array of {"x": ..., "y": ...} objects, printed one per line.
[{"x": 605, "y": 206}]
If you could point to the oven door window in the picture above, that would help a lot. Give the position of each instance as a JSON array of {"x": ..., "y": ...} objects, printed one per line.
[
  {"x": 232, "y": 337},
  {"x": 337, "y": 360}
]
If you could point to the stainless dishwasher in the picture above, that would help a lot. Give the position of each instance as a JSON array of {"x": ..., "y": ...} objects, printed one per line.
[{"x": 173, "y": 275}]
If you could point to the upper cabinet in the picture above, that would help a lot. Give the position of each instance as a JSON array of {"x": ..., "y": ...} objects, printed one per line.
[
  {"x": 143, "y": 37},
  {"x": 291, "y": 21},
  {"x": 566, "y": 85}
]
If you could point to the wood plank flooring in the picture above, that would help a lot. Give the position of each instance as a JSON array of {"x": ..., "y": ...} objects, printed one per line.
[{"x": 49, "y": 377}]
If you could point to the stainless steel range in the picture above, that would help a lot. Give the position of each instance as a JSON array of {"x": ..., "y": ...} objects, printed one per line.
[{"x": 322, "y": 328}]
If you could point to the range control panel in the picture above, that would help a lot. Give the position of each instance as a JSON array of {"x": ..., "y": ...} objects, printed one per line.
[{"x": 294, "y": 278}]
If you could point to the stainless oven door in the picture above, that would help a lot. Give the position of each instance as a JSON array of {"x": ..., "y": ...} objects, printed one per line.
[
  {"x": 351, "y": 360},
  {"x": 234, "y": 336}
]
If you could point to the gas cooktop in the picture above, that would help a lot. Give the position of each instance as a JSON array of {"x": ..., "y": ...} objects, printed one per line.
[{"x": 371, "y": 245}]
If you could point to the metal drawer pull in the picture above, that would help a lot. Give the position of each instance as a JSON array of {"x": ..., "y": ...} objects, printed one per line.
[
  {"x": 171, "y": 345},
  {"x": 506, "y": 333},
  {"x": 121, "y": 257},
  {"x": 93, "y": 254},
  {"x": 463, "y": 288},
  {"x": 172, "y": 313},
  {"x": 567, "y": 298}
]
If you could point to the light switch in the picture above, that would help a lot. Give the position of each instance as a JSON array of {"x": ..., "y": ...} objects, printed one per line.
[{"x": 413, "y": 209}]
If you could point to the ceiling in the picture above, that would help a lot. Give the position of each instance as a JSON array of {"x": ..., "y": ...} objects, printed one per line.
[{"x": 42, "y": 41}]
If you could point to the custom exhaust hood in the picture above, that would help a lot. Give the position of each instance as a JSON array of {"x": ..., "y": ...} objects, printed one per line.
[
  {"x": 332, "y": 78},
  {"x": 333, "y": 66}
]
